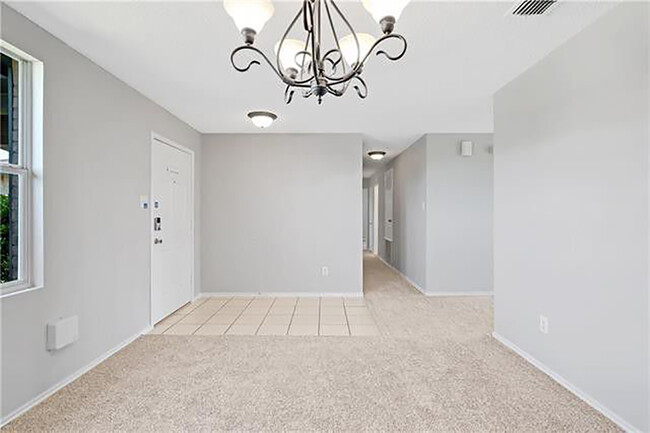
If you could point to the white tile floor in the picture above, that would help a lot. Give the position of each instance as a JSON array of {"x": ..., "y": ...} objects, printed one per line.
[{"x": 271, "y": 316}]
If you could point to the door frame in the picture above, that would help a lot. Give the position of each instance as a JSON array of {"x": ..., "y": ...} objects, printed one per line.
[
  {"x": 375, "y": 218},
  {"x": 366, "y": 231},
  {"x": 155, "y": 137}
]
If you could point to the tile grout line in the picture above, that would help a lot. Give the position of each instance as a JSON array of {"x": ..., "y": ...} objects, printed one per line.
[
  {"x": 293, "y": 314},
  {"x": 238, "y": 316},
  {"x": 347, "y": 321},
  {"x": 190, "y": 303},
  {"x": 184, "y": 315},
  {"x": 265, "y": 316},
  {"x": 320, "y": 299},
  {"x": 290, "y": 315},
  {"x": 180, "y": 314},
  {"x": 208, "y": 319}
]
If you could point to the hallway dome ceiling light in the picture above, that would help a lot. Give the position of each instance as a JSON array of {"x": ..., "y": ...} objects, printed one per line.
[
  {"x": 377, "y": 155},
  {"x": 306, "y": 64},
  {"x": 262, "y": 119}
]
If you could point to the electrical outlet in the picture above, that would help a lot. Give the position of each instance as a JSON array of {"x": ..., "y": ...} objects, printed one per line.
[
  {"x": 325, "y": 271},
  {"x": 543, "y": 324}
]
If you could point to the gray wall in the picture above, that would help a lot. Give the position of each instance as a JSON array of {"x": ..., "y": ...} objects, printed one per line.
[
  {"x": 284, "y": 206},
  {"x": 571, "y": 212},
  {"x": 442, "y": 214},
  {"x": 96, "y": 165},
  {"x": 409, "y": 214},
  {"x": 459, "y": 220}
]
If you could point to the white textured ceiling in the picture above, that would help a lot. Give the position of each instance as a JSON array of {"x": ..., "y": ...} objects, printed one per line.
[{"x": 177, "y": 54}]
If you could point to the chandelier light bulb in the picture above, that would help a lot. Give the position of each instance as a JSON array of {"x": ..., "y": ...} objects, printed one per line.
[
  {"x": 249, "y": 15},
  {"x": 289, "y": 57},
  {"x": 262, "y": 119},
  {"x": 377, "y": 154},
  {"x": 349, "y": 47},
  {"x": 385, "y": 9}
]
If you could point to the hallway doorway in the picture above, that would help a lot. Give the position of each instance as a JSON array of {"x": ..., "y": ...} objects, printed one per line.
[{"x": 374, "y": 224}]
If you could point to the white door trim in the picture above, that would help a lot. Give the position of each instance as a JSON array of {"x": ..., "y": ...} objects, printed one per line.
[
  {"x": 155, "y": 137},
  {"x": 375, "y": 219}
]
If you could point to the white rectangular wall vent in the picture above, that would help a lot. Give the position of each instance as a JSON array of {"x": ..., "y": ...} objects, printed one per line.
[
  {"x": 62, "y": 332},
  {"x": 532, "y": 7}
]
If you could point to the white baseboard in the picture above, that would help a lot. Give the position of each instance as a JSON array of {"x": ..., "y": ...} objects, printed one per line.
[
  {"x": 282, "y": 294},
  {"x": 410, "y": 281},
  {"x": 68, "y": 380},
  {"x": 417, "y": 286},
  {"x": 476, "y": 293},
  {"x": 568, "y": 385}
]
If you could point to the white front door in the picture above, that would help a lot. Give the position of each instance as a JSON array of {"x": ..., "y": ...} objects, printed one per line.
[{"x": 172, "y": 212}]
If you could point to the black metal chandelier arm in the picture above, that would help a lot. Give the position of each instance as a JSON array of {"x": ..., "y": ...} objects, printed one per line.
[
  {"x": 333, "y": 63},
  {"x": 257, "y": 62},
  {"x": 357, "y": 69},
  {"x": 288, "y": 94},
  {"x": 388, "y": 56},
  {"x": 361, "y": 88},
  {"x": 336, "y": 40},
  {"x": 307, "y": 15},
  {"x": 280, "y": 67},
  {"x": 347, "y": 23},
  {"x": 252, "y": 62},
  {"x": 337, "y": 92}
]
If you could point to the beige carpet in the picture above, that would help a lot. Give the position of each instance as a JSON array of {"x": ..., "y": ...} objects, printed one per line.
[{"x": 434, "y": 368}]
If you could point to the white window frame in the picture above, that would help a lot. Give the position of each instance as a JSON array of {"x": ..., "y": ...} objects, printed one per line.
[{"x": 29, "y": 171}]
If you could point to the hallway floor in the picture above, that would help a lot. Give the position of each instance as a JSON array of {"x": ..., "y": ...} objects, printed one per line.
[{"x": 434, "y": 367}]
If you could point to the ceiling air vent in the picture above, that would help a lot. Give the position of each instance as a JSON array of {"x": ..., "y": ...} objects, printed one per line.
[{"x": 532, "y": 7}]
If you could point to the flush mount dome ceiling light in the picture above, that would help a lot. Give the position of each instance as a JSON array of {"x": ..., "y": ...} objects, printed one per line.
[
  {"x": 377, "y": 154},
  {"x": 262, "y": 119},
  {"x": 307, "y": 64}
]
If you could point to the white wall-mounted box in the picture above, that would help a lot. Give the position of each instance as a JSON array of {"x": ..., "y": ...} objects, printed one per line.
[
  {"x": 466, "y": 148},
  {"x": 62, "y": 333}
]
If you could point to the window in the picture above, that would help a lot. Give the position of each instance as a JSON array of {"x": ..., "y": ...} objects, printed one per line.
[{"x": 17, "y": 179}]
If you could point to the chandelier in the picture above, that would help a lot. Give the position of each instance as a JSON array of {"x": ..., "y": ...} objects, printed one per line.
[{"x": 307, "y": 65}]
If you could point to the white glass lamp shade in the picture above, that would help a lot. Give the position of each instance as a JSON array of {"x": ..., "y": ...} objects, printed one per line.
[
  {"x": 262, "y": 119},
  {"x": 380, "y": 9},
  {"x": 289, "y": 57},
  {"x": 349, "y": 47},
  {"x": 249, "y": 14}
]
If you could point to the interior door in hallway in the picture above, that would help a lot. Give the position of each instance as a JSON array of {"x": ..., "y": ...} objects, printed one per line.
[
  {"x": 172, "y": 212},
  {"x": 365, "y": 218},
  {"x": 388, "y": 205},
  {"x": 375, "y": 219}
]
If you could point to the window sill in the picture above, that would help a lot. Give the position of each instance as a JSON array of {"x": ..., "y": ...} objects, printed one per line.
[{"x": 18, "y": 289}]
